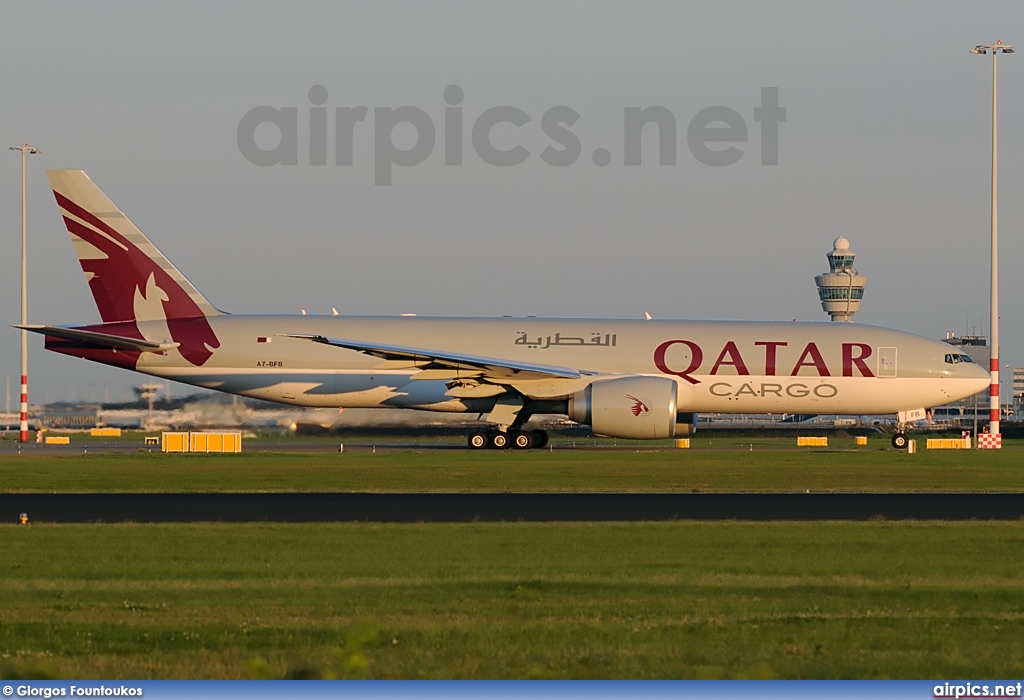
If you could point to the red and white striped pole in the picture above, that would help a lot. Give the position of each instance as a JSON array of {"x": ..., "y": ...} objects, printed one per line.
[
  {"x": 24, "y": 397},
  {"x": 25, "y": 150},
  {"x": 993, "y": 393},
  {"x": 993, "y": 363}
]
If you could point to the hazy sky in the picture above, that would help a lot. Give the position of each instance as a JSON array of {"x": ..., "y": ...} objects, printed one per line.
[{"x": 886, "y": 141}]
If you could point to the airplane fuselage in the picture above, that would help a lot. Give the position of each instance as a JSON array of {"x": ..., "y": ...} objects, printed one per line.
[{"x": 718, "y": 366}]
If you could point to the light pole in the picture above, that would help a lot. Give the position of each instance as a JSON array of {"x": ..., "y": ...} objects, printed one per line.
[
  {"x": 993, "y": 392},
  {"x": 25, "y": 150}
]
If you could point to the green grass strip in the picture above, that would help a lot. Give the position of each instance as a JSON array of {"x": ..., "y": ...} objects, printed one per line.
[
  {"x": 521, "y": 600},
  {"x": 723, "y": 465}
]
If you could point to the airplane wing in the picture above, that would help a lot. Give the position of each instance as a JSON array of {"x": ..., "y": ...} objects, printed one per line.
[
  {"x": 118, "y": 342},
  {"x": 486, "y": 368}
]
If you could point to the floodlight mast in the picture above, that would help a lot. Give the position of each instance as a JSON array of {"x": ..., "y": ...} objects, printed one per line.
[
  {"x": 993, "y": 406},
  {"x": 25, "y": 150}
]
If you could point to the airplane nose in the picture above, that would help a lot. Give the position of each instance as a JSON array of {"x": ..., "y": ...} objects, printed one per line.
[{"x": 978, "y": 375}]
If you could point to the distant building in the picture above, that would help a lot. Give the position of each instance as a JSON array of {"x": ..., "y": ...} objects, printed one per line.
[
  {"x": 1018, "y": 388},
  {"x": 68, "y": 414},
  {"x": 842, "y": 287}
]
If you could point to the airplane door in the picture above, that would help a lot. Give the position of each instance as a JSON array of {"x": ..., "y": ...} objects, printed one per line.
[{"x": 886, "y": 362}]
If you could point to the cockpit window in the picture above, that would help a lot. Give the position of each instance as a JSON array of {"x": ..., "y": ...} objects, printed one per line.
[{"x": 954, "y": 358}]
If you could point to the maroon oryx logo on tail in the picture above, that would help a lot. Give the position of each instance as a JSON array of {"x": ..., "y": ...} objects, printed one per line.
[
  {"x": 121, "y": 274},
  {"x": 638, "y": 405}
]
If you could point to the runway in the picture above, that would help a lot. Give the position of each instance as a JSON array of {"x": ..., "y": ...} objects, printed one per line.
[{"x": 504, "y": 507}]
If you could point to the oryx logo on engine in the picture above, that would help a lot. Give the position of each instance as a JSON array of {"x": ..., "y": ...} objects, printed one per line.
[{"x": 638, "y": 405}]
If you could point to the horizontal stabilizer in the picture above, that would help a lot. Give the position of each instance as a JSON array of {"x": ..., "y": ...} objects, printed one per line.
[
  {"x": 118, "y": 342},
  {"x": 493, "y": 369}
]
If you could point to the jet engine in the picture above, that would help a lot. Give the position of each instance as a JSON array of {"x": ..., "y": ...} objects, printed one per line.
[{"x": 636, "y": 407}]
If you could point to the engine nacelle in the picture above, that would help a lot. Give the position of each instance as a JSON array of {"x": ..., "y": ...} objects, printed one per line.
[{"x": 640, "y": 408}]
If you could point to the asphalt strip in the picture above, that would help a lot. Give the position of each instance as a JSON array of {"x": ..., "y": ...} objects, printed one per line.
[{"x": 503, "y": 507}]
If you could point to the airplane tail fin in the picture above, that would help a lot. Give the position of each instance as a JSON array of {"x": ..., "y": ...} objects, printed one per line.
[{"x": 130, "y": 279}]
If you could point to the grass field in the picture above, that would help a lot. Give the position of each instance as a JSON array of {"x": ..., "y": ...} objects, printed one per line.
[
  {"x": 654, "y": 600},
  {"x": 516, "y": 600},
  {"x": 713, "y": 464}
]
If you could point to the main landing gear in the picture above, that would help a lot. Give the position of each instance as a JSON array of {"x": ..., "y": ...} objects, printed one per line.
[{"x": 516, "y": 439}]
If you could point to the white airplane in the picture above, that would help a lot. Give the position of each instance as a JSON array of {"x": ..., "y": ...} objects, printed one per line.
[{"x": 643, "y": 379}]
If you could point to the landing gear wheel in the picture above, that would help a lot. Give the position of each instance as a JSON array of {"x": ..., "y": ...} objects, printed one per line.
[
  {"x": 478, "y": 440},
  {"x": 540, "y": 438},
  {"x": 522, "y": 440},
  {"x": 899, "y": 441},
  {"x": 498, "y": 441}
]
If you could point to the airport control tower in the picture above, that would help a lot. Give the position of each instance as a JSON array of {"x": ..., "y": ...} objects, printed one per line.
[{"x": 841, "y": 288}]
